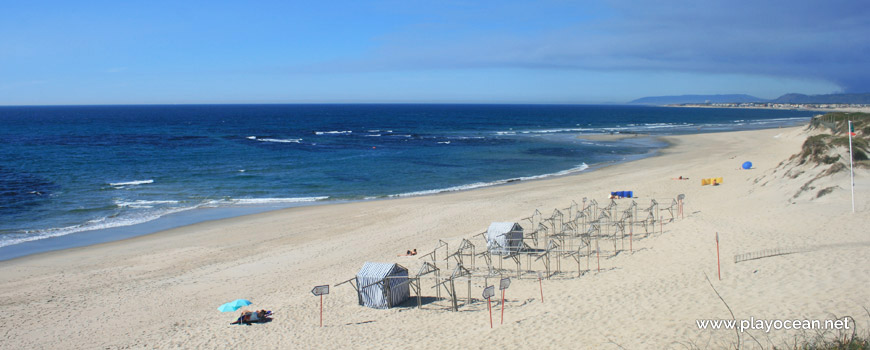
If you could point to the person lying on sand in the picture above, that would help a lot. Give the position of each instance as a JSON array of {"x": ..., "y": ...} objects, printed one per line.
[
  {"x": 680, "y": 178},
  {"x": 249, "y": 317},
  {"x": 409, "y": 253}
]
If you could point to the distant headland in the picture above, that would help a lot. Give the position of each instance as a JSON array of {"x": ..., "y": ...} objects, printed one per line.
[
  {"x": 862, "y": 99},
  {"x": 845, "y": 102}
]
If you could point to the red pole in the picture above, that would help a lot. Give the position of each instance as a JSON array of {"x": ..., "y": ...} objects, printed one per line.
[
  {"x": 489, "y": 306},
  {"x": 321, "y": 310},
  {"x": 718, "y": 265},
  {"x": 502, "y": 306},
  {"x": 598, "y": 254},
  {"x": 631, "y": 241},
  {"x": 542, "y": 289}
]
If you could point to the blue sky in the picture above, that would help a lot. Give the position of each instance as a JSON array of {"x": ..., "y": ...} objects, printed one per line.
[{"x": 115, "y": 52}]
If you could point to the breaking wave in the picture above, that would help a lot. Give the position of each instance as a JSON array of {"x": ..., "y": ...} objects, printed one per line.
[
  {"x": 131, "y": 183},
  {"x": 275, "y": 140},
  {"x": 471, "y": 186}
]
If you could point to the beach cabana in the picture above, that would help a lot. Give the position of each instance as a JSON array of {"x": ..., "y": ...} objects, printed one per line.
[
  {"x": 382, "y": 285},
  {"x": 504, "y": 238}
]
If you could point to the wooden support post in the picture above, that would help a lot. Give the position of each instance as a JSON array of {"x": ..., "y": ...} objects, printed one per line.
[
  {"x": 453, "y": 294},
  {"x": 469, "y": 290},
  {"x": 419, "y": 292},
  {"x": 438, "y": 284}
]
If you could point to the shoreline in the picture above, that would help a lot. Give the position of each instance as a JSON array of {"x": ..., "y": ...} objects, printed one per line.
[
  {"x": 193, "y": 216},
  {"x": 670, "y": 141},
  {"x": 82, "y": 209},
  {"x": 118, "y": 294}
]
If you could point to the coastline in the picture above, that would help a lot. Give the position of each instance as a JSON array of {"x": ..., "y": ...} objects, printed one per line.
[
  {"x": 90, "y": 205},
  {"x": 199, "y": 215},
  {"x": 118, "y": 294},
  {"x": 827, "y": 110}
]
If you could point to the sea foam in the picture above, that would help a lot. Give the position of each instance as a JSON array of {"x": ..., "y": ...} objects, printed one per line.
[
  {"x": 131, "y": 183},
  {"x": 275, "y": 140},
  {"x": 130, "y": 218},
  {"x": 471, "y": 186}
]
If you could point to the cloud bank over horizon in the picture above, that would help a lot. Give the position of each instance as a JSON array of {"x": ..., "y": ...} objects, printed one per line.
[{"x": 816, "y": 40}]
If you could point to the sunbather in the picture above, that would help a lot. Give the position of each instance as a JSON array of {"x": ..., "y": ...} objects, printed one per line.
[
  {"x": 410, "y": 253},
  {"x": 249, "y": 317}
]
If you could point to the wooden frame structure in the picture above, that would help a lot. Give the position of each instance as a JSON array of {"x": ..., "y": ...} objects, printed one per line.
[{"x": 575, "y": 233}]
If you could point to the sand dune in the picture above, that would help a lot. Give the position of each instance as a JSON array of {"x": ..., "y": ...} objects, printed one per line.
[{"x": 162, "y": 290}]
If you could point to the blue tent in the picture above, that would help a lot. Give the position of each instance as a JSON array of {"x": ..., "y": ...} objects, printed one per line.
[
  {"x": 622, "y": 194},
  {"x": 382, "y": 285}
]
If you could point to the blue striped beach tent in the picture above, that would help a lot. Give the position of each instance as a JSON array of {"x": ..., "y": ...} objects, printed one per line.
[{"x": 382, "y": 285}]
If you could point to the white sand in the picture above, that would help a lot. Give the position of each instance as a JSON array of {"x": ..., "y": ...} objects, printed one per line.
[{"x": 162, "y": 290}]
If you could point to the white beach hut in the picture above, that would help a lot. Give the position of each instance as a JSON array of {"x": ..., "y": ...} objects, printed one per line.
[
  {"x": 382, "y": 285},
  {"x": 504, "y": 238}
]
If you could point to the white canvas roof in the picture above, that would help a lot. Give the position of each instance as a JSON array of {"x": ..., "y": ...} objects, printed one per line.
[{"x": 497, "y": 228}]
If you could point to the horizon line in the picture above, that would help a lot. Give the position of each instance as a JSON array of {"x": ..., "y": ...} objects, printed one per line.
[{"x": 329, "y": 103}]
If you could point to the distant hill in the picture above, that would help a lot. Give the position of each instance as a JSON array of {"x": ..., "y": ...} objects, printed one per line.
[
  {"x": 669, "y": 100},
  {"x": 830, "y": 98},
  {"x": 863, "y": 98}
]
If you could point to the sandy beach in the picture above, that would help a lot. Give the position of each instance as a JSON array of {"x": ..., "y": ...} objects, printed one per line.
[{"x": 162, "y": 290}]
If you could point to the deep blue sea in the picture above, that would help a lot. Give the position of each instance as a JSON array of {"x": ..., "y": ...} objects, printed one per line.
[{"x": 76, "y": 169}]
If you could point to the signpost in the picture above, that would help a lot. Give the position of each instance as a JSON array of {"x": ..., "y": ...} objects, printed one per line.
[
  {"x": 321, "y": 290},
  {"x": 542, "y": 286},
  {"x": 502, "y": 285},
  {"x": 680, "y": 201},
  {"x": 851, "y": 174},
  {"x": 718, "y": 265},
  {"x": 488, "y": 292}
]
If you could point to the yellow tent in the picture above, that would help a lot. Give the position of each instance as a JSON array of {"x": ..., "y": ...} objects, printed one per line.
[{"x": 710, "y": 181}]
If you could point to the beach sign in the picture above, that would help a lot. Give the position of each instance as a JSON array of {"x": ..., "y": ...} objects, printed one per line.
[
  {"x": 321, "y": 290},
  {"x": 680, "y": 200},
  {"x": 502, "y": 285},
  {"x": 488, "y": 292}
]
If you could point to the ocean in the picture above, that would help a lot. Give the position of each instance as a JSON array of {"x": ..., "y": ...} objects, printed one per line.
[{"x": 107, "y": 171}]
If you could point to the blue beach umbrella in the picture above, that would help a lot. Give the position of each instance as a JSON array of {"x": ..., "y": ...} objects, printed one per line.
[{"x": 233, "y": 305}]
